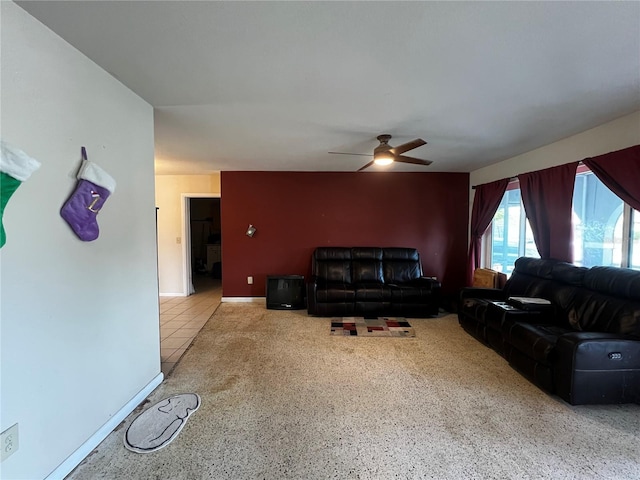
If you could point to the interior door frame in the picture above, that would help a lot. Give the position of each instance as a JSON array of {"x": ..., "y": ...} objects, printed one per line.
[{"x": 187, "y": 274}]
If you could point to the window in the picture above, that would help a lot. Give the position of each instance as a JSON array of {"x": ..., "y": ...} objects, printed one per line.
[
  {"x": 606, "y": 231},
  {"x": 510, "y": 232},
  {"x": 597, "y": 225}
]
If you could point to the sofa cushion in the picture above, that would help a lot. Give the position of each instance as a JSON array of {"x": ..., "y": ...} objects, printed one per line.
[
  {"x": 535, "y": 341},
  {"x": 334, "y": 270},
  {"x": 524, "y": 285},
  {"x": 335, "y": 292},
  {"x": 617, "y": 282},
  {"x": 332, "y": 253},
  {"x": 332, "y": 264},
  {"x": 409, "y": 293},
  {"x": 594, "y": 312},
  {"x": 569, "y": 274},
  {"x": 608, "y": 302},
  {"x": 374, "y": 292},
  {"x": 366, "y": 271},
  {"x": 530, "y": 278},
  {"x": 401, "y": 271},
  {"x": 536, "y": 267},
  {"x": 401, "y": 265},
  {"x": 399, "y": 253},
  {"x": 366, "y": 253}
]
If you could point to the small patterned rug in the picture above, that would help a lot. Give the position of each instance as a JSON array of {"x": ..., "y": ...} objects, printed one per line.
[{"x": 371, "y": 327}]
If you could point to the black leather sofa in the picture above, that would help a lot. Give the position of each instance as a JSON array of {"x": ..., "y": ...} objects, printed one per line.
[
  {"x": 370, "y": 281},
  {"x": 584, "y": 347}
]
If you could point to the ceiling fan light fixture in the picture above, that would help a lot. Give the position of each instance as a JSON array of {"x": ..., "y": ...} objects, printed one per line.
[
  {"x": 384, "y": 154},
  {"x": 383, "y": 158}
]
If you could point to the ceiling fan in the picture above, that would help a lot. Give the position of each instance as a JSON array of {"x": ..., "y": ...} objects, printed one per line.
[{"x": 385, "y": 154}]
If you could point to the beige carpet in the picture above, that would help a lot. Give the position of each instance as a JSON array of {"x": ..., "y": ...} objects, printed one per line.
[{"x": 283, "y": 399}]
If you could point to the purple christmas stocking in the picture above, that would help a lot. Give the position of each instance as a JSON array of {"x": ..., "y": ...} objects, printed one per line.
[{"x": 80, "y": 211}]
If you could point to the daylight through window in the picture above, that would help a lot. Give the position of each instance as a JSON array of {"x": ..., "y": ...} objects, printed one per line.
[{"x": 606, "y": 231}]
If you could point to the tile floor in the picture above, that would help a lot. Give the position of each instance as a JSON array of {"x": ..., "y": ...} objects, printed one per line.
[{"x": 181, "y": 318}]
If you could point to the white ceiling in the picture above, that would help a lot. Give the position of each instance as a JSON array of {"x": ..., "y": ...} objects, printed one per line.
[{"x": 276, "y": 85}]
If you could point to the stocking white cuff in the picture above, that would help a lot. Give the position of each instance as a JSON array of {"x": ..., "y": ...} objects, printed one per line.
[
  {"x": 93, "y": 173},
  {"x": 15, "y": 163}
]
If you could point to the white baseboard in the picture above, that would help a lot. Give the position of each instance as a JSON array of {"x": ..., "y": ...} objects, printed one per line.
[
  {"x": 181, "y": 294},
  {"x": 243, "y": 299},
  {"x": 87, "y": 447}
]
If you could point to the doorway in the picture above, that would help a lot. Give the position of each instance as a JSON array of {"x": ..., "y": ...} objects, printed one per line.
[{"x": 202, "y": 253}]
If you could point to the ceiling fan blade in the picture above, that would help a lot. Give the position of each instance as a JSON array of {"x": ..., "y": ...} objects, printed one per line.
[
  {"x": 366, "y": 166},
  {"x": 405, "y": 147},
  {"x": 344, "y": 153},
  {"x": 415, "y": 161}
]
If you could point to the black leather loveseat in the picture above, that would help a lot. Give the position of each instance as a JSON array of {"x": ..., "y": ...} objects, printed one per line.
[
  {"x": 585, "y": 346},
  {"x": 370, "y": 281}
]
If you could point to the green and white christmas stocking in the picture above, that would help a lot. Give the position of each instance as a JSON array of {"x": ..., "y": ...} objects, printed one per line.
[{"x": 15, "y": 167}]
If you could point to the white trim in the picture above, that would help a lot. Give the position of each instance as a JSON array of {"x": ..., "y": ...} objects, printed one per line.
[
  {"x": 15, "y": 163},
  {"x": 187, "y": 282},
  {"x": 181, "y": 294},
  {"x": 94, "y": 174},
  {"x": 243, "y": 299},
  {"x": 87, "y": 447},
  {"x": 186, "y": 242},
  {"x": 202, "y": 195}
]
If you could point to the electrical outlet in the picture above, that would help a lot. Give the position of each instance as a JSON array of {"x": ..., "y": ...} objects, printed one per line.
[
  {"x": 9, "y": 441},
  {"x": 178, "y": 240},
  {"x": 249, "y": 280}
]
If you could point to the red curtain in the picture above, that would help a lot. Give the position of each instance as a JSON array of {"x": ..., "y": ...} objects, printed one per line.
[
  {"x": 620, "y": 171},
  {"x": 547, "y": 196},
  {"x": 485, "y": 204}
]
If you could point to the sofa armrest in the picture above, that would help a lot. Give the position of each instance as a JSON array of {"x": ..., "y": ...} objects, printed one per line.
[
  {"x": 495, "y": 294},
  {"x": 425, "y": 282},
  {"x": 312, "y": 285},
  {"x": 595, "y": 367},
  {"x": 588, "y": 347}
]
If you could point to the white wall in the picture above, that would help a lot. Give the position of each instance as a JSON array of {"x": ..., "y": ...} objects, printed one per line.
[
  {"x": 169, "y": 191},
  {"x": 79, "y": 321},
  {"x": 615, "y": 135}
]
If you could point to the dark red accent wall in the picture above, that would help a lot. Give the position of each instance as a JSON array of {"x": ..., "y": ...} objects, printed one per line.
[{"x": 295, "y": 212}]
